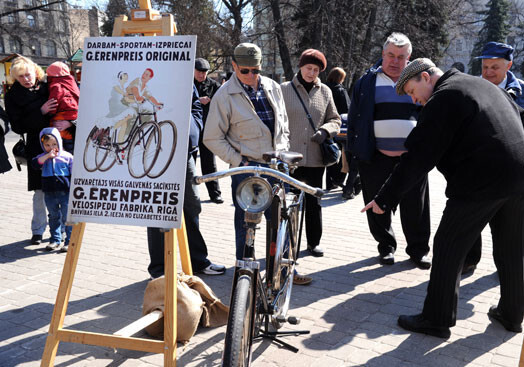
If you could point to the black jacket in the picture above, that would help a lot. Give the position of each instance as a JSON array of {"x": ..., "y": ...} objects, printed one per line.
[
  {"x": 340, "y": 96},
  {"x": 4, "y": 159},
  {"x": 471, "y": 130},
  {"x": 195, "y": 125},
  {"x": 23, "y": 108},
  {"x": 207, "y": 88}
]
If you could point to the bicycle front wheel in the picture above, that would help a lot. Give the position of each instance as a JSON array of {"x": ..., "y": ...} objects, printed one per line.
[
  {"x": 166, "y": 148},
  {"x": 239, "y": 333}
]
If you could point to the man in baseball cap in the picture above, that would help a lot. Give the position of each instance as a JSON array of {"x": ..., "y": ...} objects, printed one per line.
[
  {"x": 497, "y": 59},
  {"x": 247, "y": 118},
  {"x": 472, "y": 132}
]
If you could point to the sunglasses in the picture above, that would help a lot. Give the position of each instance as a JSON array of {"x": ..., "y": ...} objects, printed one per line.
[{"x": 253, "y": 71}]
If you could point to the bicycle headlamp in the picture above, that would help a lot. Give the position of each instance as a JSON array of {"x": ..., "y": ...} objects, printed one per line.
[{"x": 254, "y": 194}]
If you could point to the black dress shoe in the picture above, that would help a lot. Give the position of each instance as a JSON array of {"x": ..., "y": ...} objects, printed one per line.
[
  {"x": 422, "y": 262},
  {"x": 468, "y": 269},
  {"x": 315, "y": 251},
  {"x": 36, "y": 239},
  {"x": 495, "y": 313},
  {"x": 387, "y": 259},
  {"x": 419, "y": 324},
  {"x": 217, "y": 200}
]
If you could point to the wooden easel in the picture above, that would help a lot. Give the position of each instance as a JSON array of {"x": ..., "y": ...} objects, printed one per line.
[{"x": 150, "y": 23}]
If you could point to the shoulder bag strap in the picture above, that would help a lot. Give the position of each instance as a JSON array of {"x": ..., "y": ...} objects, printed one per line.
[{"x": 305, "y": 108}]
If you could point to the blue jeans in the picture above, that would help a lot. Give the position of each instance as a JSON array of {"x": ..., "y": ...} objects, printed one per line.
[
  {"x": 240, "y": 229},
  {"x": 39, "y": 220},
  {"x": 56, "y": 203}
]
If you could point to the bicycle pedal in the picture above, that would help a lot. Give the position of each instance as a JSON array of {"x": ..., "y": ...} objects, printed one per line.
[{"x": 293, "y": 320}]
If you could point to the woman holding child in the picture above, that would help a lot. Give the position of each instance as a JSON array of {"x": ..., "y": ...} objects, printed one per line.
[{"x": 27, "y": 106}]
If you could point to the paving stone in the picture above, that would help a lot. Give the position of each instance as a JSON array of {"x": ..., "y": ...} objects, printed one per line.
[{"x": 351, "y": 307}]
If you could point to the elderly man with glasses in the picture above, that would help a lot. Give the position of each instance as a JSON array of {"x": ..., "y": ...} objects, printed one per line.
[{"x": 247, "y": 118}]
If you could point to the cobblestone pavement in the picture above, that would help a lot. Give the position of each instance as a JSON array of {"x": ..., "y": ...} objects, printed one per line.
[{"x": 351, "y": 308}]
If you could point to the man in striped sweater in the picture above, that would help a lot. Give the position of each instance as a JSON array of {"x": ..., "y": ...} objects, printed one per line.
[{"x": 379, "y": 121}]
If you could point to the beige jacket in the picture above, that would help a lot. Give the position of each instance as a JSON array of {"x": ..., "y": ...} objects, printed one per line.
[
  {"x": 233, "y": 128},
  {"x": 321, "y": 106}
]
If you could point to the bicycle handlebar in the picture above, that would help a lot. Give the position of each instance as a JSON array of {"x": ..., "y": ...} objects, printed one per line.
[
  {"x": 315, "y": 191},
  {"x": 139, "y": 104}
]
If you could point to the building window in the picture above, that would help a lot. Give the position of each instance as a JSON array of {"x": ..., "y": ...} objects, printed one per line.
[
  {"x": 15, "y": 45},
  {"x": 34, "y": 46},
  {"x": 29, "y": 2},
  {"x": 2, "y": 50},
  {"x": 31, "y": 20},
  {"x": 51, "y": 48},
  {"x": 62, "y": 25},
  {"x": 11, "y": 18},
  {"x": 48, "y": 20}
]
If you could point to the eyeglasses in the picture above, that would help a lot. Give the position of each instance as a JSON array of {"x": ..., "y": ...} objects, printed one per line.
[{"x": 253, "y": 71}]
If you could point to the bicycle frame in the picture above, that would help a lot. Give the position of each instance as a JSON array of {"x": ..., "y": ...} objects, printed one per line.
[{"x": 124, "y": 145}]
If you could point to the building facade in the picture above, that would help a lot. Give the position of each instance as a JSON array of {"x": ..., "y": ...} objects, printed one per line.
[
  {"x": 464, "y": 34},
  {"x": 47, "y": 34}
]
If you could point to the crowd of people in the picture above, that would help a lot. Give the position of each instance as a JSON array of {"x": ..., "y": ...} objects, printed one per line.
[{"x": 403, "y": 119}]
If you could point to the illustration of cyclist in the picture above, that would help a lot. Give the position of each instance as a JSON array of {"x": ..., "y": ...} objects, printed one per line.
[{"x": 137, "y": 91}]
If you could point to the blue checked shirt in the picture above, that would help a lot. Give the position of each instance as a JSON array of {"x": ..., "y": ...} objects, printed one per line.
[{"x": 262, "y": 106}]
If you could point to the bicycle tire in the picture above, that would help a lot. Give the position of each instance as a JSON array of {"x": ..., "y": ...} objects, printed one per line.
[
  {"x": 168, "y": 137},
  {"x": 142, "y": 151},
  {"x": 283, "y": 273},
  {"x": 239, "y": 333},
  {"x": 109, "y": 152},
  {"x": 287, "y": 243},
  {"x": 90, "y": 152},
  {"x": 301, "y": 210}
]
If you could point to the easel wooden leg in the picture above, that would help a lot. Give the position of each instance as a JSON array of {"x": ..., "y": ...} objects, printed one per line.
[
  {"x": 183, "y": 247},
  {"x": 170, "y": 300},
  {"x": 521, "y": 363},
  {"x": 62, "y": 298}
]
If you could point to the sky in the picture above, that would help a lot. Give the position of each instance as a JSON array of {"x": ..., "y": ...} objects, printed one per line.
[{"x": 88, "y": 3}]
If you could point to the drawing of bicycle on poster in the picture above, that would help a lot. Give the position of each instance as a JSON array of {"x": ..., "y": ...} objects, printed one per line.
[{"x": 132, "y": 130}]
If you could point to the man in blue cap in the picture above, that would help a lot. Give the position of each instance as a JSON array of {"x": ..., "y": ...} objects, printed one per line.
[{"x": 497, "y": 59}]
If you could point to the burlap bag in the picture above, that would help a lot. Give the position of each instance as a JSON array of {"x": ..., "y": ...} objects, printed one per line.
[{"x": 196, "y": 303}]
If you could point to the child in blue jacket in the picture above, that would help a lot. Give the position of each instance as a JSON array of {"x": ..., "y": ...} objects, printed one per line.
[{"x": 56, "y": 165}]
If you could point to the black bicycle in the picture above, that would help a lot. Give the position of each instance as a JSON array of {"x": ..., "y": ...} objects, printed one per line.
[
  {"x": 141, "y": 148},
  {"x": 260, "y": 302}
]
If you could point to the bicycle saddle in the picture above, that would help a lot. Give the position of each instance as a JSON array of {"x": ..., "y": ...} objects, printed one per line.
[{"x": 286, "y": 157}]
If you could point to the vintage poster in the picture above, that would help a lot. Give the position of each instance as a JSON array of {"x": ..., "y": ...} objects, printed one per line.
[{"x": 132, "y": 131}]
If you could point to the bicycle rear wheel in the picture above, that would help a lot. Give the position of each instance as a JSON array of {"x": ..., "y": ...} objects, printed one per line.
[
  {"x": 239, "y": 333},
  {"x": 284, "y": 261},
  {"x": 94, "y": 154}
]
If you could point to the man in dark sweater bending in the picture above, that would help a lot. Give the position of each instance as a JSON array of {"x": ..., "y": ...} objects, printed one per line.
[{"x": 472, "y": 132}]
